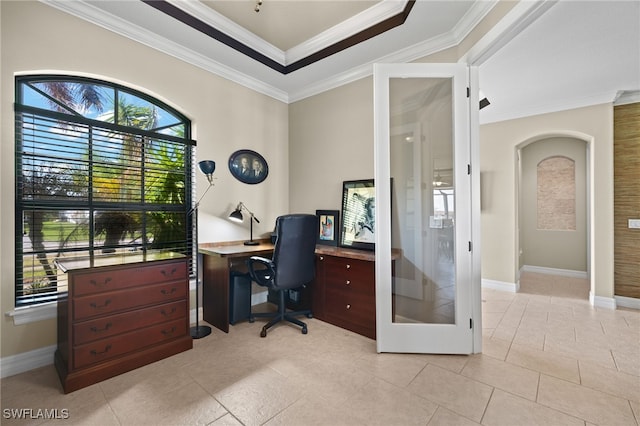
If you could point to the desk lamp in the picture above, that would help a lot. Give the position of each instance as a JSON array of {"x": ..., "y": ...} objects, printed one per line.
[
  {"x": 236, "y": 216},
  {"x": 199, "y": 331}
]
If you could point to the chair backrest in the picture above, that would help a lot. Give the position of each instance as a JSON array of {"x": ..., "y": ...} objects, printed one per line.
[{"x": 294, "y": 250}]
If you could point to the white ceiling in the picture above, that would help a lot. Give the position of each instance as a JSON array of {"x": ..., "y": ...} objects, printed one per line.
[
  {"x": 577, "y": 53},
  {"x": 286, "y": 24},
  {"x": 544, "y": 56}
]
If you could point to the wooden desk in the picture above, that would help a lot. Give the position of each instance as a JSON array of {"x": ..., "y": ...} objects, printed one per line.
[
  {"x": 343, "y": 292},
  {"x": 218, "y": 260}
]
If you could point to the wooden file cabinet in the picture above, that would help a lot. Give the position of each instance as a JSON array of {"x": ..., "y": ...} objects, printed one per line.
[
  {"x": 344, "y": 292},
  {"x": 121, "y": 315}
]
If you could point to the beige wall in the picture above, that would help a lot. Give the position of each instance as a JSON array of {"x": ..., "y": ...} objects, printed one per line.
[
  {"x": 331, "y": 140},
  {"x": 498, "y": 177},
  {"x": 226, "y": 117},
  {"x": 553, "y": 248}
]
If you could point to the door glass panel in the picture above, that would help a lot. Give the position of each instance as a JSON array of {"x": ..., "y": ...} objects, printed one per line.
[{"x": 423, "y": 219}]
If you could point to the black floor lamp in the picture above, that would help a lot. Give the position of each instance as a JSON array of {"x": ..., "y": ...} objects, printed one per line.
[{"x": 199, "y": 331}]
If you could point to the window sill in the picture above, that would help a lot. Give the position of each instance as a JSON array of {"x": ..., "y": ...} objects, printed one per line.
[{"x": 31, "y": 314}]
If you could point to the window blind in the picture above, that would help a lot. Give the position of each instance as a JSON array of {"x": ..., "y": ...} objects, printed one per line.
[{"x": 90, "y": 188}]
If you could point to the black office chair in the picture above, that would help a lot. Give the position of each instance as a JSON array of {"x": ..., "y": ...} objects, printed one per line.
[{"x": 292, "y": 266}]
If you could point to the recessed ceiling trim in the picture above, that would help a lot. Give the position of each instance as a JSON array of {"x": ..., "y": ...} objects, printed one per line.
[
  {"x": 227, "y": 26},
  {"x": 377, "y": 13},
  {"x": 97, "y": 16},
  {"x": 408, "y": 54},
  {"x": 204, "y": 28},
  {"x": 186, "y": 18},
  {"x": 380, "y": 12},
  {"x": 417, "y": 51}
]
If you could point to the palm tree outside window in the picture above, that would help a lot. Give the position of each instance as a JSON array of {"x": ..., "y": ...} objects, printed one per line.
[{"x": 101, "y": 170}]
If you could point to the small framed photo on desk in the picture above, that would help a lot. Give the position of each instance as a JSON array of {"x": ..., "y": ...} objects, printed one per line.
[{"x": 329, "y": 226}]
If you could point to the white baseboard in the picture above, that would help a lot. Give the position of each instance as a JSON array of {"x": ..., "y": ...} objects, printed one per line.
[
  {"x": 602, "y": 302},
  {"x": 16, "y": 364},
  {"x": 627, "y": 302},
  {"x": 499, "y": 285},
  {"x": 555, "y": 271}
]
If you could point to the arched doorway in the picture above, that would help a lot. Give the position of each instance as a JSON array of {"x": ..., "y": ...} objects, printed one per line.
[{"x": 553, "y": 215}]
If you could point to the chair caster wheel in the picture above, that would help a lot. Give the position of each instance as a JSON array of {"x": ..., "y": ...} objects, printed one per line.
[
  {"x": 263, "y": 333},
  {"x": 252, "y": 320},
  {"x": 309, "y": 315},
  {"x": 304, "y": 330}
]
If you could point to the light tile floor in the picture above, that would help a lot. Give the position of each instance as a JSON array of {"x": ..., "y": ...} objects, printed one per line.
[{"x": 547, "y": 360}]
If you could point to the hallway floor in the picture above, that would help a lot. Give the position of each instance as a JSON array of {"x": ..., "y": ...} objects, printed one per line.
[
  {"x": 554, "y": 285},
  {"x": 547, "y": 360}
]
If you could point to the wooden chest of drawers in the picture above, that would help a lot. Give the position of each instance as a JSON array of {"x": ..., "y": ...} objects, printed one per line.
[
  {"x": 119, "y": 317},
  {"x": 344, "y": 293}
]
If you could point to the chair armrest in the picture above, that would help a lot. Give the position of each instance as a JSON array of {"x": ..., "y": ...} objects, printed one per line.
[{"x": 261, "y": 270}]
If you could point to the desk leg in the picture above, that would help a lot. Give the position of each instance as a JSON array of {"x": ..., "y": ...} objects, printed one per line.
[{"x": 215, "y": 291}]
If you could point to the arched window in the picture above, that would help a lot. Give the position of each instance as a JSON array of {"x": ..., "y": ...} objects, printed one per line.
[
  {"x": 100, "y": 170},
  {"x": 556, "y": 188}
]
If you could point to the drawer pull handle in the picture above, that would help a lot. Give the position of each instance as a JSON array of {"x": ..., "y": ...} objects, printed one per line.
[
  {"x": 165, "y": 291},
  {"x": 100, "y": 330},
  {"x": 96, "y": 306},
  {"x": 321, "y": 257},
  {"x": 348, "y": 266},
  {"x": 102, "y": 284},
  {"x": 166, "y": 314},
  {"x": 96, "y": 353},
  {"x": 348, "y": 306},
  {"x": 348, "y": 282},
  {"x": 169, "y": 332},
  {"x": 165, "y": 273}
]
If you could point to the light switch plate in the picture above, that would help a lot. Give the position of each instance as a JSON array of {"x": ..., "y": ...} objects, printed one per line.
[{"x": 634, "y": 223}]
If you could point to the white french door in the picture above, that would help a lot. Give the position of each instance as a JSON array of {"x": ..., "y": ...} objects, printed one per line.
[{"x": 423, "y": 177}]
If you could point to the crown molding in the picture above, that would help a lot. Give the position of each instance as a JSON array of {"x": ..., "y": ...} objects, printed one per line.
[
  {"x": 554, "y": 106},
  {"x": 88, "y": 12},
  {"x": 627, "y": 97},
  {"x": 94, "y": 15},
  {"x": 514, "y": 22},
  {"x": 409, "y": 54}
]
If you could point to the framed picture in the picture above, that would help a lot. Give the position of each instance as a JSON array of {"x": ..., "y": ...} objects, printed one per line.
[
  {"x": 358, "y": 214},
  {"x": 248, "y": 166},
  {"x": 329, "y": 227}
]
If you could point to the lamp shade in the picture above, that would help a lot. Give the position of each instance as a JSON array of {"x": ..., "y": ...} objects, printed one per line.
[
  {"x": 207, "y": 166},
  {"x": 236, "y": 216}
]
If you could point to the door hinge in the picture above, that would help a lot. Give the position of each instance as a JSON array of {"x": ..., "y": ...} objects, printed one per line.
[
  {"x": 468, "y": 92},
  {"x": 470, "y": 246},
  {"x": 469, "y": 169},
  {"x": 471, "y": 323}
]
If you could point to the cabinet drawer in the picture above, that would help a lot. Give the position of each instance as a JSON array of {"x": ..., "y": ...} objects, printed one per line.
[
  {"x": 116, "y": 301},
  {"x": 88, "y": 331},
  {"x": 350, "y": 267},
  {"x": 116, "y": 279},
  {"x": 351, "y": 307},
  {"x": 102, "y": 350}
]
